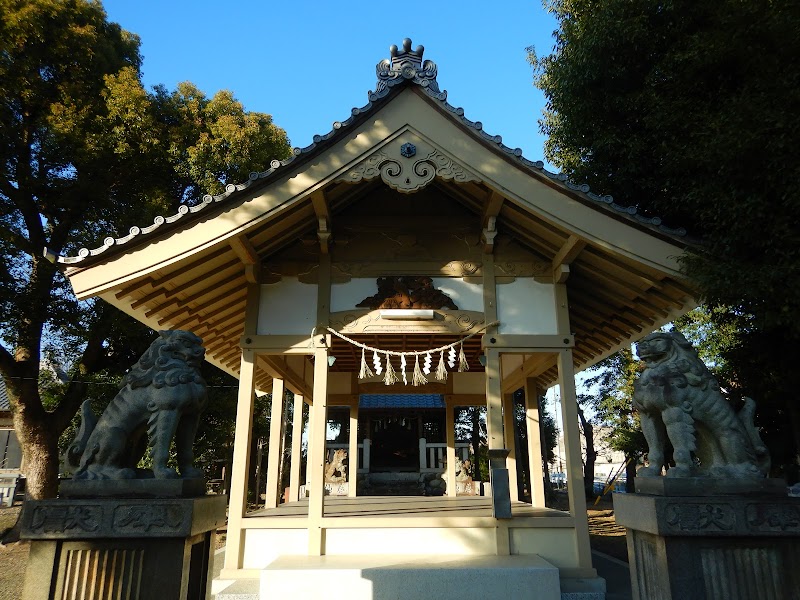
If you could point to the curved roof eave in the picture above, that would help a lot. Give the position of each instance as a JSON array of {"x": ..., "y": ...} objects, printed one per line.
[{"x": 406, "y": 68}]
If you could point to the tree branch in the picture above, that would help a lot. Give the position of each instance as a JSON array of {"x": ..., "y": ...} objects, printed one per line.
[
  {"x": 91, "y": 357},
  {"x": 8, "y": 366}
]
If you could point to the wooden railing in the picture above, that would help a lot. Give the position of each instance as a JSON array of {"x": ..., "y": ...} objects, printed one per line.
[{"x": 433, "y": 456}]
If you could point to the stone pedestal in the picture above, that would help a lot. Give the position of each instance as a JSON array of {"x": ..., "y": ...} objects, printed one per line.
[
  {"x": 703, "y": 539},
  {"x": 121, "y": 547}
]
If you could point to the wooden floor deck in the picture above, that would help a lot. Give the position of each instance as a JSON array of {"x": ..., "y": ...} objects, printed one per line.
[{"x": 406, "y": 507}]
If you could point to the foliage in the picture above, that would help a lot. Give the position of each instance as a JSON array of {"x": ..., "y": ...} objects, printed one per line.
[
  {"x": 86, "y": 152},
  {"x": 685, "y": 109},
  {"x": 611, "y": 399}
]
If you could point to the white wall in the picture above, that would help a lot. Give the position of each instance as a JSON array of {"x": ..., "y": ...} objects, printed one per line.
[
  {"x": 526, "y": 306},
  {"x": 288, "y": 307},
  {"x": 345, "y": 296},
  {"x": 466, "y": 295}
]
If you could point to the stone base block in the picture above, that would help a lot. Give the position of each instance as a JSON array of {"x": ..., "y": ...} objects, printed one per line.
[
  {"x": 132, "y": 488},
  {"x": 712, "y": 547},
  {"x": 126, "y": 548},
  {"x": 388, "y": 577},
  {"x": 709, "y": 486}
]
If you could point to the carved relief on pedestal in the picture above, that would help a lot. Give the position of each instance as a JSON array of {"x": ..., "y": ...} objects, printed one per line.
[
  {"x": 700, "y": 517},
  {"x": 66, "y": 519},
  {"x": 142, "y": 519},
  {"x": 765, "y": 517}
]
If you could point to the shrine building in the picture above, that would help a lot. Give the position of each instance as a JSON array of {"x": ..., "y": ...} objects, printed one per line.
[{"x": 404, "y": 265}]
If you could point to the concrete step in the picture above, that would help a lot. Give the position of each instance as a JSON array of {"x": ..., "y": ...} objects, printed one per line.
[
  {"x": 239, "y": 589},
  {"x": 393, "y": 476},
  {"x": 395, "y": 577}
]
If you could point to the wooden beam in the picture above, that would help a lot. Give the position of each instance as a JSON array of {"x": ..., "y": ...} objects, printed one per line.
[
  {"x": 216, "y": 285},
  {"x": 244, "y": 250},
  {"x": 248, "y": 255},
  {"x": 489, "y": 220},
  {"x": 492, "y": 208},
  {"x": 532, "y": 367},
  {"x": 277, "y": 368},
  {"x": 323, "y": 213},
  {"x": 320, "y": 204},
  {"x": 206, "y": 302},
  {"x": 568, "y": 252}
]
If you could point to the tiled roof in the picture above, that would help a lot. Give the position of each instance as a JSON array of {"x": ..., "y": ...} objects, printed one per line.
[
  {"x": 4, "y": 404},
  {"x": 405, "y": 67},
  {"x": 401, "y": 401}
]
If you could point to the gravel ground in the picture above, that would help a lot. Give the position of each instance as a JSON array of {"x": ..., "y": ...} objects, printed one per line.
[{"x": 13, "y": 558}]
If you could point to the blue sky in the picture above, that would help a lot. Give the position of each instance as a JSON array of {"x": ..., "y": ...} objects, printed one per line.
[{"x": 308, "y": 63}]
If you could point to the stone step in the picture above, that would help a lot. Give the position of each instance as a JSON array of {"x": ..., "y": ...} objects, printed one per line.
[
  {"x": 393, "y": 476},
  {"x": 392, "y": 488},
  {"x": 238, "y": 589},
  {"x": 403, "y": 577}
]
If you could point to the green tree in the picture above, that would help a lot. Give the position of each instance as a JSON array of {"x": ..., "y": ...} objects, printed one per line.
[
  {"x": 86, "y": 151},
  {"x": 685, "y": 109},
  {"x": 611, "y": 400}
]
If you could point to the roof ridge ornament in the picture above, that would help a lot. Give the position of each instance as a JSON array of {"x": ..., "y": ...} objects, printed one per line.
[{"x": 406, "y": 65}]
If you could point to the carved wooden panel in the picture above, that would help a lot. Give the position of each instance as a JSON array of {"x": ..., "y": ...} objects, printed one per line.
[{"x": 446, "y": 321}]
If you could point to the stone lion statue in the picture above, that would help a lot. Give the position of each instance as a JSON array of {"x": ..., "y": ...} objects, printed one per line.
[
  {"x": 161, "y": 397},
  {"x": 679, "y": 400},
  {"x": 462, "y": 471},
  {"x": 336, "y": 465}
]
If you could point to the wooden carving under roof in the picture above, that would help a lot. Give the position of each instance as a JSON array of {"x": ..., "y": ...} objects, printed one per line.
[{"x": 407, "y": 292}]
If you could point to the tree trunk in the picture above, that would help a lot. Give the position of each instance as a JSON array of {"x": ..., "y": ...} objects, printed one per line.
[
  {"x": 793, "y": 474},
  {"x": 40, "y": 457},
  {"x": 549, "y": 495},
  {"x": 591, "y": 454},
  {"x": 40, "y": 452},
  {"x": 475, "y": 434},
  {"x": 630, "y": 474}
]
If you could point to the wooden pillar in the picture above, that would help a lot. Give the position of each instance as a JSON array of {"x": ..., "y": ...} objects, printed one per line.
[
  {"x": 450, "y": 426},
  {"x": 234, "y": 550},
  {"x": 494, "y": 400},
  {"x": 275, "y": 454},
  {"x": 534, "y": 429},
  {"x": 297, "y": 448},
  {"x": 316, "y": 453},
  {"x": 510, "y": 433},
  {"x": 240, "y": 469},
  {"x": 569, "y": 418},
  {"x": 352, "y": 455}
]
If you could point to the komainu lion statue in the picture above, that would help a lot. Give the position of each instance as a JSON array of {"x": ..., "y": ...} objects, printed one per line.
[
  {"x": 679, "y": 400},
  {"x": 162, "y": 396},
  {"x": 336, "y": 465}
]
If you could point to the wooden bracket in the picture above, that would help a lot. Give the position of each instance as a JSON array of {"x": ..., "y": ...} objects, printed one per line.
[
  {"x": 488, "y": 235},
  {"x": 248, "y": 255},
  {"x": 565, "y": 256}
]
